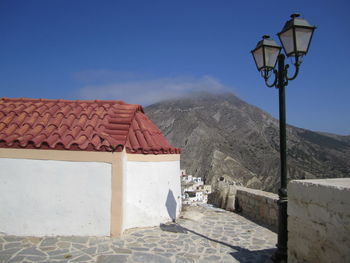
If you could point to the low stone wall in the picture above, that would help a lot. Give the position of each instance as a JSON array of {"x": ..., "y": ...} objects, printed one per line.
[
  {"x": 258, "y": 205},
  {"x": 319, "y": 220}
]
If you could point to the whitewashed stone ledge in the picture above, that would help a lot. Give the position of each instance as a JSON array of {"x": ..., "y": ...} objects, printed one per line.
[
  {"x": 319, "y": 220},
  {"x": 258, "y": 205}
]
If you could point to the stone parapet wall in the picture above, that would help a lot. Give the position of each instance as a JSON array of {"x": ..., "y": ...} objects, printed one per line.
[
  {"x": 319, "y": 220},
  {"x": 258, "y": 205}
]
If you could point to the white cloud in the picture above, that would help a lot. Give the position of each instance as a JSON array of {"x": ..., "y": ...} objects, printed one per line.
[{"x": 146, "y": 92}]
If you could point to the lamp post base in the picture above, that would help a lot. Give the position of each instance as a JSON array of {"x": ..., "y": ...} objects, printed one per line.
[
  {"x": 281, "y": 252},
  {"x": 280, "y": 255}
]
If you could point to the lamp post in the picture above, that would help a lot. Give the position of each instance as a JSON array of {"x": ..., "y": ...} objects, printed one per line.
[{"x": 295, "y": 37}]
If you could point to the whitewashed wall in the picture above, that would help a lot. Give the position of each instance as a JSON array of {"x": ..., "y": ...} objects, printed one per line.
[
  {"x": 40, "y": 197},
  {"x": 319, "y": 220},
  {"x": 152, "y": 193}
]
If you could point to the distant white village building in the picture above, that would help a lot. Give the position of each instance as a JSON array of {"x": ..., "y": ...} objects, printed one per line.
[{"x": 193, "y": 189}]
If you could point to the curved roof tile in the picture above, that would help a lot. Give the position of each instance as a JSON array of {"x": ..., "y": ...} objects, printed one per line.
[{"x": 85, "y": 125}]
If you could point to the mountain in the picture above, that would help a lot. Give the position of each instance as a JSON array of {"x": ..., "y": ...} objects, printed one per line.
[{"x": 223, "y": 136}]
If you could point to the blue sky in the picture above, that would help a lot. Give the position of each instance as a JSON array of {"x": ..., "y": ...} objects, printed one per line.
[{"x": 146, "y": 51}]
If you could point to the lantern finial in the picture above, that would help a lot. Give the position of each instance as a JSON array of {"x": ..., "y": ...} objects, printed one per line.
[{"x": 295, "y": 15}]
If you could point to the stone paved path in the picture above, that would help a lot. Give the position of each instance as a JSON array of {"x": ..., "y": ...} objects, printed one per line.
[{"x": 203, "y": 234}]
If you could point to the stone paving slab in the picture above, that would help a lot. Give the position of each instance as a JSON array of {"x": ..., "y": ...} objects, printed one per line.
[{"x": 202, "y": 234}]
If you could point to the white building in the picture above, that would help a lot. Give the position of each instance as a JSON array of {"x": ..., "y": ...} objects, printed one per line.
[
  {"x": 197, "y": 180},
  {"x": 193, "y": 189},
  {"x": 83, "y": 168}
]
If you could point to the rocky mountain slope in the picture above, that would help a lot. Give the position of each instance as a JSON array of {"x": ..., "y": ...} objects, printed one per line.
[{"x": 223, "y": 136}]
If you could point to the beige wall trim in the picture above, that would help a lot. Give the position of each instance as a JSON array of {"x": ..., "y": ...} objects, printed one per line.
[
  {"x": 117, "y": 194},
  {"x": 153, "y": 157},
  {"x": 57, "y": 155}
]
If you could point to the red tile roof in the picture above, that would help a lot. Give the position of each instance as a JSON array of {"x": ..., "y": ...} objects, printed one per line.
[{"x": 87, "y": 125}]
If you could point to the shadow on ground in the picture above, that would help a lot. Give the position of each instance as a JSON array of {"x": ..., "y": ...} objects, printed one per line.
[{"x": 241, "y": 254}]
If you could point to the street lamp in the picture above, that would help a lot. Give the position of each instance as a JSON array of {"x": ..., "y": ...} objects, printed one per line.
[{"x": 295, "y": 37}]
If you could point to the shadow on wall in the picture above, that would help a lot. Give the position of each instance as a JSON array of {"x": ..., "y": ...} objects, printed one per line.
[{"x": 171, "y": 205}]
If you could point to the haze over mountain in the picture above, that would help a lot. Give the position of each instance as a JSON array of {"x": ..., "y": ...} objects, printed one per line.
[{"x": 223, "y": 136}]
